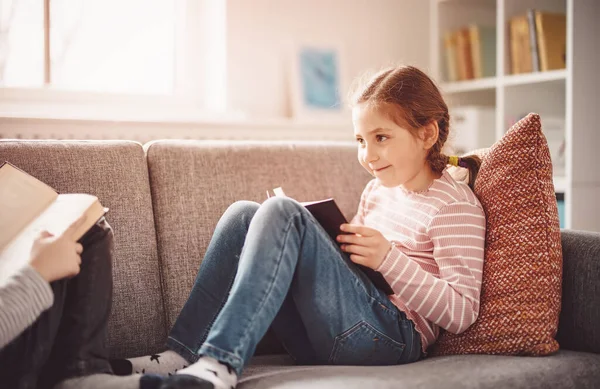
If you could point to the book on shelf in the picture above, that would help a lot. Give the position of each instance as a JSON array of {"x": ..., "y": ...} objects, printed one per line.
[
  {"x": 463, "y": 54},
  {"x": 470, "y": 52},
  {"x": 520, "y": 46},
  {"x": 483, "y": 50},
  {"x": 533, "y": 41},
  {"x": 330, "y": 217},
  {"x": 450, "y": 53},
  {"x": 537, "y": 41},
  {"x": 551, "y": 31},
  {"x": 29, "y": 206}
]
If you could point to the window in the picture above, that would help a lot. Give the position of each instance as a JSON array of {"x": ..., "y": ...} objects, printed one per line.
[{"x": 112, "y": 46}]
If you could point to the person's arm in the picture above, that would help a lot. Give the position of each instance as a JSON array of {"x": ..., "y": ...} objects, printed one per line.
[
  {"x": 22, "y": 299},
  {"x": 25, "y": 295},
  {"x": 452, "y": 300}
]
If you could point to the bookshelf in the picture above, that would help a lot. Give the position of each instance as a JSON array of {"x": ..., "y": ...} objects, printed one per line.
[{"x": 570, "y": 95}]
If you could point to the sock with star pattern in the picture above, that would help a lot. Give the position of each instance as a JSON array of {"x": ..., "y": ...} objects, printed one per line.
[
  {"x": 165, "y": 363},
  {"x": 221, "y": 375}
]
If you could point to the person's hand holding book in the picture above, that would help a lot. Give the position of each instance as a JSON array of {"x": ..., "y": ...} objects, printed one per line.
[
  {"x": 366, "y": 246},
  {"x": 57, "y": 257}
]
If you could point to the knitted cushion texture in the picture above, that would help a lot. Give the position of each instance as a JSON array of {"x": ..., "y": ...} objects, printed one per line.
[{"x": 522, "y": 273}]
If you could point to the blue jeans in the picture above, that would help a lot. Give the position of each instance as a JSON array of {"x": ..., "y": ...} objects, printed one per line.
[{"x": 273, "y": 265}]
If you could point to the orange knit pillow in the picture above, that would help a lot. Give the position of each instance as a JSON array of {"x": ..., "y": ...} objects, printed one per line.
[{"x": 522, "y": 272}]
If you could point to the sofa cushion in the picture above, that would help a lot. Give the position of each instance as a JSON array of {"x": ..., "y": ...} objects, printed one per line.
[
  {"x": 522, "y": 273},
  {"x": 116, "y": 172},
  {"x": 579, "y": 327},
  {"x": 563, "y": 370},
  {"x": 193, "y": 183}
]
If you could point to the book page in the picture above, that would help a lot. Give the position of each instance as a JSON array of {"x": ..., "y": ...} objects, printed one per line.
[
  {"x": 307, "y": 203},
  {"x": 279, "y": 192},
  {"x": 22, "y": 198},
  {"x": 65, "y": 210}
]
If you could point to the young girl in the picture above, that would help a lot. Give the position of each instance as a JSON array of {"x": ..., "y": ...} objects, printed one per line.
[{"x": 272, "y": 264}]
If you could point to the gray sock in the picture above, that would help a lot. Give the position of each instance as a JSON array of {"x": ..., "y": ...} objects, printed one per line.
[
  {"x": 165, "y": 363},
  {"x": 221, "y": 375}
]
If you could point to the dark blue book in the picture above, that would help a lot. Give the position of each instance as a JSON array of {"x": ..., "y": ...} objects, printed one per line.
[{"x": 330, "y": 217}]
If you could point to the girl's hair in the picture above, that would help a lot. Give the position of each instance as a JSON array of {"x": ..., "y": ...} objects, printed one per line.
[{"x": 413, "y": 100}]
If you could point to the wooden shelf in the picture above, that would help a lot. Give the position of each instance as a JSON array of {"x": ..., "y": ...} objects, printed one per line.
[
  {"x": 510, "y": 80},
  {"x": 537, "y": 77},
  {"x": 469, "y": 85}
]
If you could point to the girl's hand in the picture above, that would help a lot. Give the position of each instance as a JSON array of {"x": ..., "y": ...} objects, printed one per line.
[
  {"x": 366, "y": 246},
  {"x": 57, "y": 257}
]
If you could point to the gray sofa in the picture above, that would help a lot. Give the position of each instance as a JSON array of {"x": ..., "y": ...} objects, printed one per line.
[{"x": 165, "y": 198}]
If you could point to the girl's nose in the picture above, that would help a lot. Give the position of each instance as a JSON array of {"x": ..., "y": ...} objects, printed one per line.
[{"x": 370, "y": 155}]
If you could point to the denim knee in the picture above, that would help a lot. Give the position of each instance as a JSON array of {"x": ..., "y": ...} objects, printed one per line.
[
  {"x": 282, "y": 207},
  {"x": 242, "y": 210}
]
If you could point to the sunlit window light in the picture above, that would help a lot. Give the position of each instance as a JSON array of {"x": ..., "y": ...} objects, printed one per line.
[{"x": 95, "y": 45}]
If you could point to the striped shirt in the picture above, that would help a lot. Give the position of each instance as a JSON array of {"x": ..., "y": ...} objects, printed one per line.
[
  {"x": 22, "y": 299},
  {"x": 436, "y": 260}
]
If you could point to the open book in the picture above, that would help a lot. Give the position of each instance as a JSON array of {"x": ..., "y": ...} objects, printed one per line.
[
  {"x": 28, "y": 206},
  {"x": 330, "y": 217}
]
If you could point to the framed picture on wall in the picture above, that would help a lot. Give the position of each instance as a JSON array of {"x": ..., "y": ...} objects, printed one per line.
[{"x": 318, "y": 83}]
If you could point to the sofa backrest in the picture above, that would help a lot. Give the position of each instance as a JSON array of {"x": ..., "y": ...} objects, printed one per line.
[
  {"x": 117, "y": 173},
  {"x": 164, "y": 208},
  {"x": 578, "y": 327},
  {"x": 193, "y": 183}
]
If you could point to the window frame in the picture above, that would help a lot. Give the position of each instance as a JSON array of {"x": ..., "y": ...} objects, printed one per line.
[{"x": 193, "y": 76}]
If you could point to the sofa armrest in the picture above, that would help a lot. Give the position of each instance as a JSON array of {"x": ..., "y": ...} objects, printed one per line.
[{"x": 579, "y": 324}]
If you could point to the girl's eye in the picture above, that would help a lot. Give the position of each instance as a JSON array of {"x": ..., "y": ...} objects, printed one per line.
[
  {"x": 381, "y": 138},
  {"x": 360, "y": 141}
]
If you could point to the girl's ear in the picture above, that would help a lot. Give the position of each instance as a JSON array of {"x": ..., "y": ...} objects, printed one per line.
[{"x": 430, "y": 134}]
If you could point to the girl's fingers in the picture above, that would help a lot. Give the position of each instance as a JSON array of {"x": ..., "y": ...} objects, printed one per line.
[
  {"x": 44, "y": 234},
  {"x": 355, "y": 249},
  {"x": 355, "y": 239},
  {"x": 358, "y": 259},
  {"x": 358, "y": 229}
]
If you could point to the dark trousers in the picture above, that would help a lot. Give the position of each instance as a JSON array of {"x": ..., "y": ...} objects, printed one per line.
[{"x": 69, "y": 339}]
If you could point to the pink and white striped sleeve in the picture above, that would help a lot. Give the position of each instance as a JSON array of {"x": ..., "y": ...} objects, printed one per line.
[
  {"x": 359, "y": 218},
  {"x": 452, "y": 300}
]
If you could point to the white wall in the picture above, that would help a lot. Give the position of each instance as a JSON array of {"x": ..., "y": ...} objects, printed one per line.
[
  {"x": 253, "y": 65},
  {"x": 374, "y": 33}
]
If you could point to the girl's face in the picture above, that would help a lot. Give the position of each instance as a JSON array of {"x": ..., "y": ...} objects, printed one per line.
[{"x": 390, "y": 152}]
